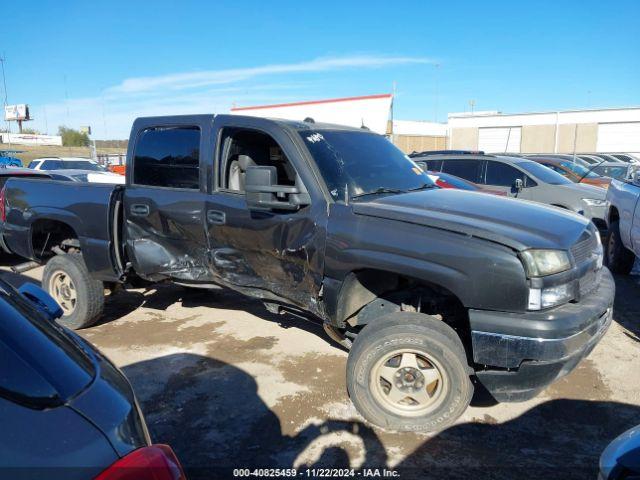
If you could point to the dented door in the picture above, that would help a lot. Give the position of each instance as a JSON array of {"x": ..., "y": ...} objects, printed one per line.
[
  {"x": 281, "y": 253},
  {"x": 165, "y": 234},
  {"x": 271, "y": 254},
  {"x": 164, "y": 201}
]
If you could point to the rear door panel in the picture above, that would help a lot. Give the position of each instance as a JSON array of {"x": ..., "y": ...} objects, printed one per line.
[{"x": 164, "y": 226}]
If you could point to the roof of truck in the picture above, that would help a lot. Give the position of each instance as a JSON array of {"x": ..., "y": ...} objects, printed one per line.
[{"x": 306, "y": 124}]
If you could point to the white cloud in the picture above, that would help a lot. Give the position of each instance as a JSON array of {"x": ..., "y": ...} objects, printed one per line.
[
  {"x": 112, "y": 111},
  {"x": 180, "y": 81}
]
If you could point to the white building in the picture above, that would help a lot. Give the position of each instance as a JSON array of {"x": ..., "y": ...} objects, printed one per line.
[{"x": 371, "y": 111}]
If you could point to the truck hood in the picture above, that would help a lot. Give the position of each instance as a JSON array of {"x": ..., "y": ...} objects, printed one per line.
[{"x": 517, "y": 224}]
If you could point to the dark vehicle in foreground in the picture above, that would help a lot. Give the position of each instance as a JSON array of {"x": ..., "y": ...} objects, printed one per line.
[
  {"x": 574, "y": 171},
  {"x": 525, "y": 179},
  {"x": 66, "y": 411},
  {"x": 621, "y": 459},
  {"x": 426, "y": 286}
]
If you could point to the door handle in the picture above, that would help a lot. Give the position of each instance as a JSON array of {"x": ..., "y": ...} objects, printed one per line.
[
  {"x": 139, "y": 210},
  {"x": 216, "y": 217}
]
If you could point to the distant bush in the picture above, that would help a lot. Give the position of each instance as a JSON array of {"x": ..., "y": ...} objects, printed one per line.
[
  {"x": 30, "y": 131},
  {"x": 73, "y": 138}
]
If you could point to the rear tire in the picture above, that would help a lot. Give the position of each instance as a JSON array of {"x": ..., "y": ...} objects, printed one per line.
[
  {"x": 428, "y": 386},
  {"x": 67, "y": 279},
  {"x": 618, "y": 258}
]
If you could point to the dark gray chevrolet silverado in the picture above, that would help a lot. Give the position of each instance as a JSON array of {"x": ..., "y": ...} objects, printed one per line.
[{"x": 431, "y": 289}]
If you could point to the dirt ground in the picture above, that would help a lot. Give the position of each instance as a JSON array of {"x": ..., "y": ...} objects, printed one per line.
[{"x": 229, "y": 385}]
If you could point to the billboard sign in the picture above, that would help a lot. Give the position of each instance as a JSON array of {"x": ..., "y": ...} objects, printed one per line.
[{"x": 16, "y": 112}]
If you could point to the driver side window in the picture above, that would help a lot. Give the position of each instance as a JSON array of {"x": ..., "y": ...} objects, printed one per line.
[{"x": 242, "y": 148}]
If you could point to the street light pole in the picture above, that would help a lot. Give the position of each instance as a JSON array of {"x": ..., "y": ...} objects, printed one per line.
[{"x": 6, "y": 101}]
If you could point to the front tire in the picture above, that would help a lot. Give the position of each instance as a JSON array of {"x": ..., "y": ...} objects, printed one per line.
[
  {"x": 618, "y": 258},
  {"x": 67, "y": 279},
  {"x": 408, "y": 372}
]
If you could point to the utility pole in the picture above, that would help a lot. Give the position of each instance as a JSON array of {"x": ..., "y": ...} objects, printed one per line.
[
  {"x": 6, "y": 97},
  {"x": 437, "y": 67},
  {"x": 393, "y": 97},
  {"x": 472, "y": 104}
]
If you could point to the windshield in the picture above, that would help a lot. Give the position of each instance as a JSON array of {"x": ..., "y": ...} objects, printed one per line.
[
  {"x": 72, "y": 165},
  {"x": 81, "y": 165},
  {"x": 582, "y": 172},
  {"x": 544, "y": 174},
  {"x": 619, "y": 173},
  {"x": 363, "y": 162}
]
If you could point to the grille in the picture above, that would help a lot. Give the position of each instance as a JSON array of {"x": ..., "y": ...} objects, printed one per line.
[{"x": 584, "y": 248}]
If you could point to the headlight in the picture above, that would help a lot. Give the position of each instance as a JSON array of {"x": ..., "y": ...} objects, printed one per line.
[
  {"x": 548, "y": 297},
  {"x": 594, "y": 202},
  {"x": 539, "y": 263}
]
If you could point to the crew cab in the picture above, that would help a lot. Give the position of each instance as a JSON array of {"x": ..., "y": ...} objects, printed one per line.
[
  {"x": 427, "y": 287},
  {"x": 623, "y": 219}
]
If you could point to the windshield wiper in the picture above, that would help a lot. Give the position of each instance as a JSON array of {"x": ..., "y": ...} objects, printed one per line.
[
  {"x": 423, "y": 187},
  {"x": 379, "y": 190}
]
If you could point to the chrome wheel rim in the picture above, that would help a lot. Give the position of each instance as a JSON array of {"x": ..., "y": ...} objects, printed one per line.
[
  {"x": 408, "y": 382},
  {"x": 63, "y": 290}
]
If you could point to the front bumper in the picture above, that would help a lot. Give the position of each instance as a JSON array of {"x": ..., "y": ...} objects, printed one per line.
[{"x": 520, "y": 354}]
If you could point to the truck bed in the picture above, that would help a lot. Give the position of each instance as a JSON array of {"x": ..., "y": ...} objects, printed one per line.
[{"x": 34, "y": 206}]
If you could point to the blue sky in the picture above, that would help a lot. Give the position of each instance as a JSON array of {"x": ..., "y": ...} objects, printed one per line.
[{"x": 104, "y": 63}]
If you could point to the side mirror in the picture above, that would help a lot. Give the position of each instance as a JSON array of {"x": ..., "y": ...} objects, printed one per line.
[
  {"x": 518, "y": 185},
  {"x": 635, "y": 177},
  {"x": 41, "y": 300},
  {"x": 262, "y": 191}
]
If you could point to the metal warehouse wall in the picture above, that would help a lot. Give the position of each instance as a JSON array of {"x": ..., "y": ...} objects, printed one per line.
[
  {"x": 613, "y": 130},
  {"x": 419, "y": 143},
  {"x": 538, "y": 138}
]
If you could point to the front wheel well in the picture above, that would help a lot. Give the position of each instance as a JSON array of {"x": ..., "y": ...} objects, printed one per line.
[
  {"x": 50, "y": 237},
  {"x": 613, "y": 215},
  {"x": 369, "y": 294}
]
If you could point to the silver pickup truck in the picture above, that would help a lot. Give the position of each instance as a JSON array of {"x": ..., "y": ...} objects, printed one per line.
[{"x": 623, "y": 220}]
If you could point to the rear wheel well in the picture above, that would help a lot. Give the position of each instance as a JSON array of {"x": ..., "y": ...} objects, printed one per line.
[
  {"x": 614, "y": 215},
  {"x": 50, "y": 237},
  {"x": 368, "y": 294}
]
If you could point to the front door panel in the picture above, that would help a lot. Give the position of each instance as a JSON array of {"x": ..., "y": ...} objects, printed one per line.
[{"x": 276, "y": 252}]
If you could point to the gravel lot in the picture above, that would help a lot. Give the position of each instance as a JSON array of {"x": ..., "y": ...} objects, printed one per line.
[{"x": 230, "y": 385}]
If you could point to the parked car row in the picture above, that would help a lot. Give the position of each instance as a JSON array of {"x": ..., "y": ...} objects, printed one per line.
[{"x": 522, "y": 178}]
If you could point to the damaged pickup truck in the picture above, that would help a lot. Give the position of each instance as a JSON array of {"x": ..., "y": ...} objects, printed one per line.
[{"x": 431, "y": 289}]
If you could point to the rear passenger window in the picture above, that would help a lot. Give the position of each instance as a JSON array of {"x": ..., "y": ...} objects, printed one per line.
[
  {"x": 502, "y": 175},
  {"x": 168, "y": 157},
  {"x": 51, "y": 165},
  {"x": 434, "y": 165},
  {"x": 467, "y": 169}
]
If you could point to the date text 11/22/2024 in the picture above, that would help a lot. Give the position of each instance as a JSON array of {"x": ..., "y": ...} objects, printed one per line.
[{"x": 316, "y": 472}]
